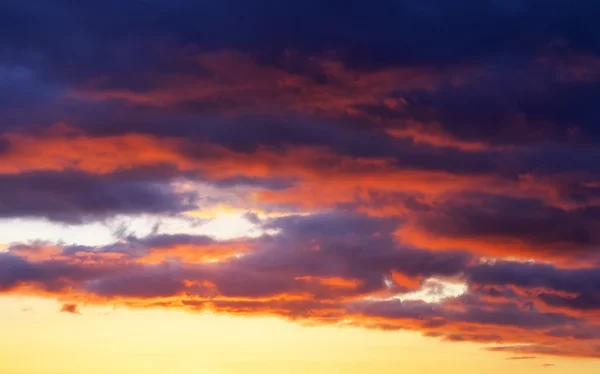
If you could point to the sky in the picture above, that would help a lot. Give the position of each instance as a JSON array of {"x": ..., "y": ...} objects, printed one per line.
[{"x": 299, "y": 186}]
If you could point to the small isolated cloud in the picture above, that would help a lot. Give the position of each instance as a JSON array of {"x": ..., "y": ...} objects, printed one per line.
[
  {"x": 70, "y": 308},
  {"x": 521, "y": 358},
  {"x": 252, "y": 217},
  {"x": 548, "y": 365}
]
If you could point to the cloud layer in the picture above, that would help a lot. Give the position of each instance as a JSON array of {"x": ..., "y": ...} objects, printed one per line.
[{"x": 383, "y": 155}]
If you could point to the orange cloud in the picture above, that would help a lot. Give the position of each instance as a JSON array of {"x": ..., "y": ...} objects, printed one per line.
[
  {"x": 194, "y": 253},
  {"x": 332, "y": 281}
]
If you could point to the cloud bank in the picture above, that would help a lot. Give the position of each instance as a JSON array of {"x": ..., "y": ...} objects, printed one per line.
[{"x": 378, "y": 151}]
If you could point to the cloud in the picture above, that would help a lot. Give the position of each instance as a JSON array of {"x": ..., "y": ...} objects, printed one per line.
[
  {"x": 509, "y": 315},
  {"x": 334, "y": 268},
  {"x": 503, "y": 108},
  {"x": 535, "y": 275},
  {"x": 75, "y": 197},
  {"x": 383, "y": 151},
  {"x": 574, "y": 289},
  {"x": 305, "y": 26},
  {"x": 501, "y": 224},
  {"x": 70, "y": 308},
  {"x": 521, "y": 358}
]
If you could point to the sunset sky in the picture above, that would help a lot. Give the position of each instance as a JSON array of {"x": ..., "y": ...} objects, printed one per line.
[{"x": 270, "y": 186}]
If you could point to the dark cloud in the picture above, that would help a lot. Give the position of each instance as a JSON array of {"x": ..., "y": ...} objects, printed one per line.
[
  {"x": 252, "y": 217},
  {"x": 586, "y": 300},
  {"x": 278, "y": 133},
  {"x": 491, "y": 315},
  {"x": 75, "y": 197},
  {"x": 51, "y": 276},
  {"x": 387, "y": 33},
  {"x": 4, "y": 145},
  {"x": 22, "y": 89},
  {"x": 581, "y": 284},
  {"x": 579, "y": 192},
  {"x": 398, "y": 309},
  {"x": 513, "y": 101},
  {"x": 528, "y": 319},
  {"x": 515, "y": 106},
  {"x": 132, "y": 247},
  {"x": 482, "y": 216},
  {"x": 346, "y": 246},
  {"x": 575, "y": 332},
  {"x": 245, "y": 134},
  {"x": 535, "y": 275},
  {"x": 143, "y": 282},
  {"x": 166, "y": 240}
]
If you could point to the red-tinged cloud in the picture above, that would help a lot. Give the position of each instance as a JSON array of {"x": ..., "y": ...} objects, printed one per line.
[
  {"x": 335, "y": 268},
  {"x": 290, "y": 176},
  {"x": 70, "y": 308}
]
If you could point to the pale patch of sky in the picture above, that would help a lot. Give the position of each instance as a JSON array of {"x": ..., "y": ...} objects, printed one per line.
[{"x": 219, "y": 225}]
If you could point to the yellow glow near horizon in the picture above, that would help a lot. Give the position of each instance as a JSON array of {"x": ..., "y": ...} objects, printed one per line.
[{"x": 41, "y": 340}]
